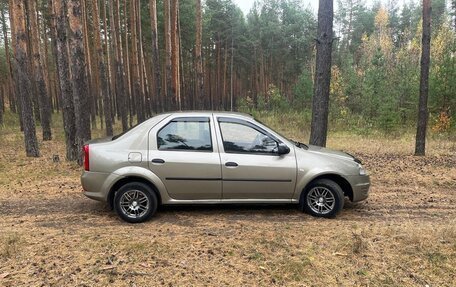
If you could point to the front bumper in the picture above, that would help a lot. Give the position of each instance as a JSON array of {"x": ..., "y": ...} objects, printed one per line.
[{"x": 360, "y": 185}]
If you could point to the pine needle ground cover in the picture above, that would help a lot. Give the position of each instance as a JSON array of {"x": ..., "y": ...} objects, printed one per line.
[{"x": 403, "y": 235}]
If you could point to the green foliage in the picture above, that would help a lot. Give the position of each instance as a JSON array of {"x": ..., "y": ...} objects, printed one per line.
[
  {"x": 303, "y": 90},
  {"x": 442, "y": 94},
  {"x": 276, "y": 101},
  {"x": 376, "y": 58},
  {"x": 375, "y": 75}
]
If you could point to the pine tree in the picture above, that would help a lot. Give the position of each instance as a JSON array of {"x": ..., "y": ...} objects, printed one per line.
[
  {"x": 420, "y": 145},
  {"x": 119, "y": 65},
  {"x": 102, "y": 72},
  {"x": 170, "y": 103},
  {"x": 37, "y": 67},
  {"x": 156, "y": 55},
  {"x": 62, "y": 57},
  {"x": 198, "y": 57},
  {"x": 23, "y": 77},
  {"x": 11, "y": 87},
  {"x": 78, "y": 73},
  {"x": 320, "y": 104}
]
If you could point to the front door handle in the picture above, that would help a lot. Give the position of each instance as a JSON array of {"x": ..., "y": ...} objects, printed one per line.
[
  {"x": 231, "y": 164},
  {"x": 158, "y": 160}
]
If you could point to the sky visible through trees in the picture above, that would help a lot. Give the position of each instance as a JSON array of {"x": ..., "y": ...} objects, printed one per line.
[
  {"x": 124, "y": 61},
  {"x": 246, "y": 5}
]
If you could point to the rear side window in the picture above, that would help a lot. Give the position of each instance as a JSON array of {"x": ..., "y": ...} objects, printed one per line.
[{"x": 185, "y": 135}]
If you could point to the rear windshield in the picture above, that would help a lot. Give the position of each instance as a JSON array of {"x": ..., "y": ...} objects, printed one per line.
[{"x": 124, "y": 132}]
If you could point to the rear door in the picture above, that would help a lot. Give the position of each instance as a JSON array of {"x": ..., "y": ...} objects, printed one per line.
[
  {"x": 251, "y": 166},
  {"x": 183, "y": 153}
]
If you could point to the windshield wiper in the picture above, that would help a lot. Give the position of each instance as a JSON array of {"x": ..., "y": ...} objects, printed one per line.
[{"x": 300, "y": 144}]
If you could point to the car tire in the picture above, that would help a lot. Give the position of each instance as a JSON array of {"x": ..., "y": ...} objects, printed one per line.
[
  {"x": 322, "y": 198},
  {"x": 135, "y": 202}
]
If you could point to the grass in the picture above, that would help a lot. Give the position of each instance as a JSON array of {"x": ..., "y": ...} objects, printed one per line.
[
  {"x": 403, "y": 235},
  {"x": 10, "y": 245}
]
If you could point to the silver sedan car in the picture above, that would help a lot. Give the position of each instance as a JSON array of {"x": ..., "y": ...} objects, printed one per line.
[{"x": 216, "y": 158}]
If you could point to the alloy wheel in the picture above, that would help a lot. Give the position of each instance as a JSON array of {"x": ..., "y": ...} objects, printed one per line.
[{"x": 321, "y": 200}]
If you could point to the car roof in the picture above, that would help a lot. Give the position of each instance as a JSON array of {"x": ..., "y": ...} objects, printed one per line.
[{"x": 208, "y": 113}]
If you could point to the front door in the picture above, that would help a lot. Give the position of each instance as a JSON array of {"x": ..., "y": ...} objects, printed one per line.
[
  {"x": 251, "y": 166},
  {"x": 183, "y": 154}
]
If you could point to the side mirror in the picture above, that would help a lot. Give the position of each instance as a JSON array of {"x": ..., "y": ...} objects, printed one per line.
[{"x": 282, "y": 149}]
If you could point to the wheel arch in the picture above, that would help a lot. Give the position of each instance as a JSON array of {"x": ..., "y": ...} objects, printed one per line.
[
  {"x": 340, "y": 180},
  {"x": 134, "y": 178}
]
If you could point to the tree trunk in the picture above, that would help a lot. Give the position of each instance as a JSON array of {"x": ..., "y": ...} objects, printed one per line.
[
  {"x": 128, "y": 87},
  {"x": 168, "y": 62},
  {"x": 12, "y": 96},
  {"x": 23, "y": 77},
  {"x": 420, "y": 145},
  {"x": 69, "y": 119},
  {"x": 225, "y": 61},
  {"x": 79, "y": 79},
  {"x": 102, "y": 71},
  {"x": 110, "y": 78},
  {"x": 320, "y": 103},
  {"x": 218, "y": 83},
  {"x": 231, "y": 73},
  {"x": 15, "y": 87},
  {"x": 94, "y": 80},
  {"x": 119, "y": 63},
  {"x": 198, "y": 57},
  {"x": 44, "y": 52},
  {"x": 34, "y": 91},
  {"x": 143, "y": 89},
  {"x": 135, "y": 74},
  {"x": 453, "y": 7},
  {"x": 88, "y": 63},
  {"x": 2, "y": 103},
  {"x": 37, "y": 64},
  {"x": 175, "y": 52},
  {"x": 156, "y": 56},
  {"x": 53, "y": 36}
]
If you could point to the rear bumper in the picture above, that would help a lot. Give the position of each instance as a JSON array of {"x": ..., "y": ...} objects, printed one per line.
[
  {"x": 97, "y": 185},
  {"x": 360, "y": 186}
]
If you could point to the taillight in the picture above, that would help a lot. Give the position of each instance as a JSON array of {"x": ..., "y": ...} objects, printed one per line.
[{"x": 86, "y": 157}]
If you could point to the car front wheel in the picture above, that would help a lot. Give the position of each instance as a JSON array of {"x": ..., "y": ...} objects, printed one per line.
[
  {"x": 135, "y": 202},
  {"x": 323, "y": 198}
]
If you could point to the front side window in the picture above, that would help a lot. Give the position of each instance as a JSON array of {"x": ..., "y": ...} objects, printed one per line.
[
  {"x": 185, "y": 135},
  {"x": 239, "y": 138}
]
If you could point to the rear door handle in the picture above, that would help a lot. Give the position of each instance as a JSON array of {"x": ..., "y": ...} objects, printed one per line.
[
  {"x": 232, "y": 164},
  {"x": 158, "y": 160}
]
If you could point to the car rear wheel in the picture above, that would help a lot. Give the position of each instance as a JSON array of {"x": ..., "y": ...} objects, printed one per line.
[
  {"x": 323, "y": 198},
  {"x": 135, "y": 202}
]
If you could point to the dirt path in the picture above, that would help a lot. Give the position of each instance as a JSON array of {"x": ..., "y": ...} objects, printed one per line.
[{"x": 403, "y": 235}]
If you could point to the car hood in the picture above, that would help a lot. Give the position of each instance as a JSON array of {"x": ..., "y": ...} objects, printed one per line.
[{"x": 330, "y": 152}]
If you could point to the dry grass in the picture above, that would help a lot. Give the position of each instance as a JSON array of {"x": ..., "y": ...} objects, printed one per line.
[{"x": 403, "y": 235}]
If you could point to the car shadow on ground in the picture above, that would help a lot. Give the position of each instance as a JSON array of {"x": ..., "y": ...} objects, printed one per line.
[{"x": 76, "y": 209}]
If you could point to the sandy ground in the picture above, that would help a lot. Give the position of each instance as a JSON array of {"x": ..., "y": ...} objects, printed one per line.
[{"x": 403, "y": 235}]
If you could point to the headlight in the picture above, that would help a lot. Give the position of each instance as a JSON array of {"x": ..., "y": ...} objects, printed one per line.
[{"x": 362, "y": 170}]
